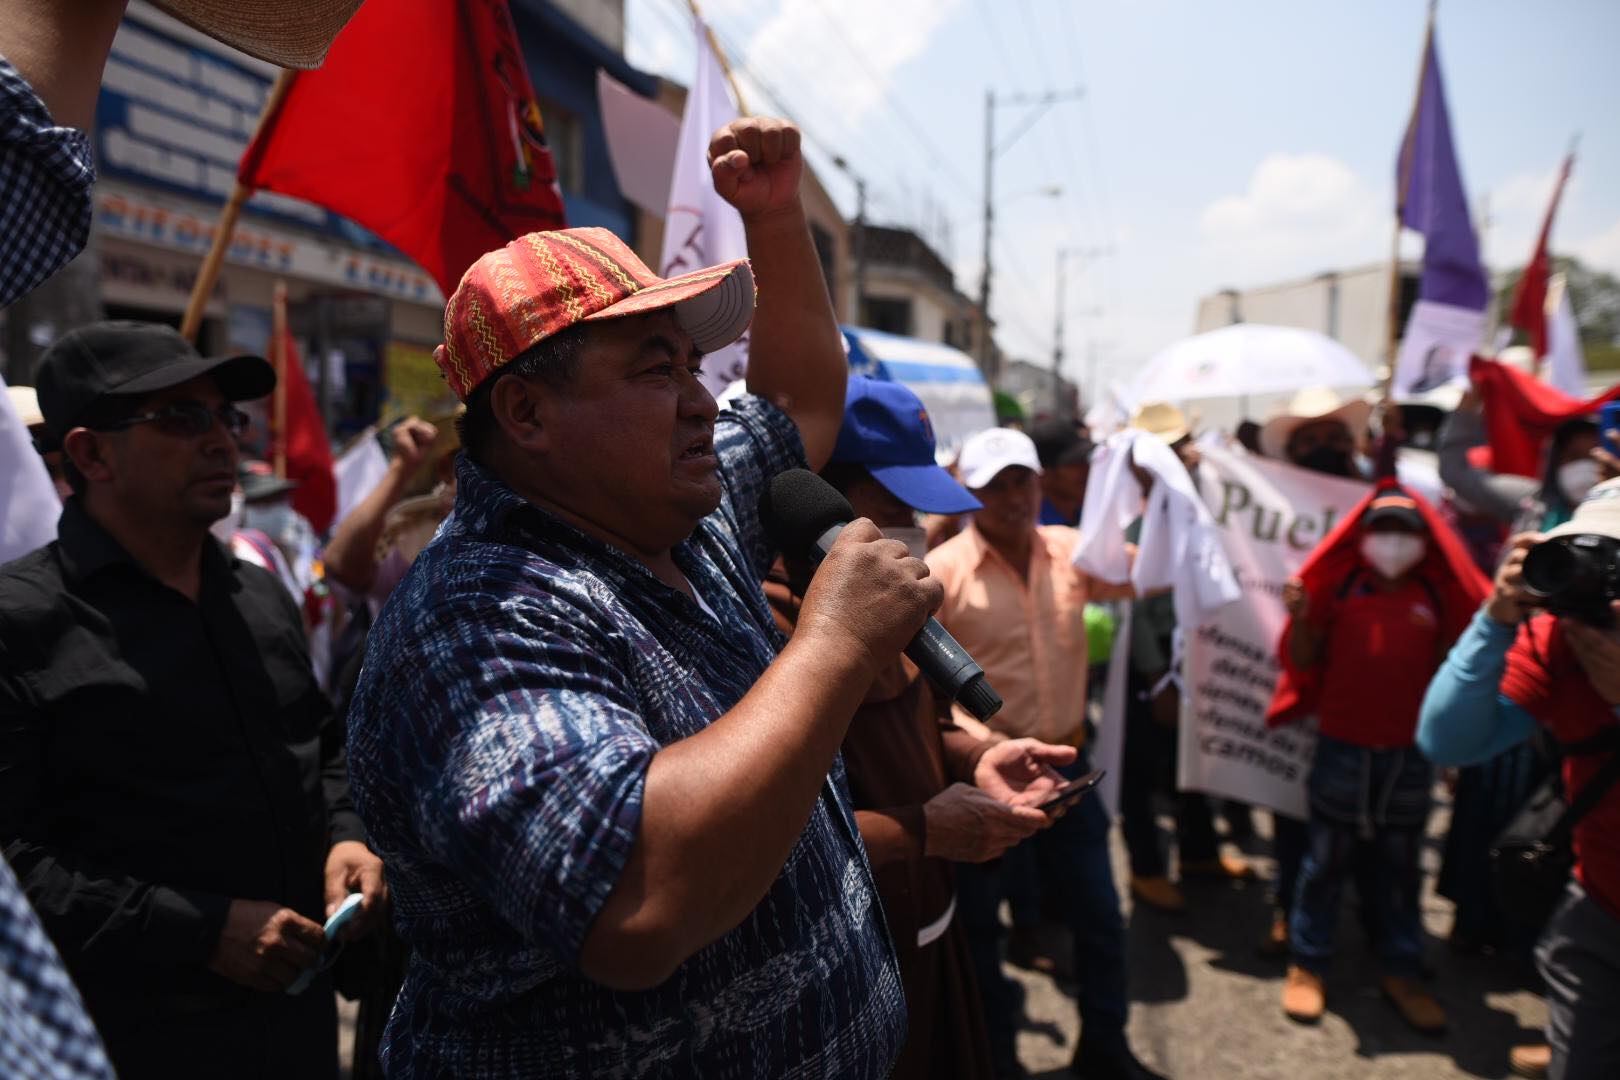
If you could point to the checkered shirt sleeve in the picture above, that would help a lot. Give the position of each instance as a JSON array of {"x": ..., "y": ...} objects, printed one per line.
[
  {"x": 45, "y": 1033},
  {"x": 46, "y": 173}
]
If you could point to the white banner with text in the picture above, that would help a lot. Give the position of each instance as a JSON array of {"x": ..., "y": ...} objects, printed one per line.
[{"x": 1271, "y": 516}]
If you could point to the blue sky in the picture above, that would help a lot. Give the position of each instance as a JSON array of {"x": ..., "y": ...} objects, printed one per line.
[{"x": 1233, "y": 143}]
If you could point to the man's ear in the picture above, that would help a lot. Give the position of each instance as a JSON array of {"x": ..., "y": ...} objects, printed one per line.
[
  {"x": 519, "y": 407},
  {"x": 89, "y": 453}
]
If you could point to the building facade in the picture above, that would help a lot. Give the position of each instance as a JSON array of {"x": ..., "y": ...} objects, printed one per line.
[
  {"x": 175, "y": 112},
  {"x": 1350, "y": 306},
  {"x": 911, "y": 291}
]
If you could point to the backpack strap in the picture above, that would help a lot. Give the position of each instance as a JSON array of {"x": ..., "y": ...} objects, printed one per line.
[
  {"x": 1607, "y": 739},
  {"x": 1582, "y": 804}
]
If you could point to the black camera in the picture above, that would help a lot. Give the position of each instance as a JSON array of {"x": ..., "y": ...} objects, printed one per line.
[{"x": 1577, "y": 575}]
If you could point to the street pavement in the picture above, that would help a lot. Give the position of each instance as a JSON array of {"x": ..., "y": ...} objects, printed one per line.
[{"x": 1205, "y": 1004}]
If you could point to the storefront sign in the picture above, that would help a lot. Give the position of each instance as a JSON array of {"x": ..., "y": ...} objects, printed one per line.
[{"x": 171, "y": 224}]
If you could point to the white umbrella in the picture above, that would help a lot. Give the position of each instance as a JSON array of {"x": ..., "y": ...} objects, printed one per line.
[{"x": 1248, "y": 359}]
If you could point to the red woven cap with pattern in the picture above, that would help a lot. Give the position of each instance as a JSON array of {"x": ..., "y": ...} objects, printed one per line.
[{"x": 517, "y": 296}]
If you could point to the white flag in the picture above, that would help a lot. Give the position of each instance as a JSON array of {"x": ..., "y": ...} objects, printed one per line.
[
  {"x": 29, "y": 506},
  {"x": 1439, "y": 340},
  {"x": 358, "y": 472},
  {"x": 702, "y": 229},
  {"x": 1566, "y": 367}
]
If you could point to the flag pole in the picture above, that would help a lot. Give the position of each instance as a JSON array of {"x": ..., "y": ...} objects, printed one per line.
[
  {"x": 278, "y": 360},
  {"x": 1393, "y": 339},
  {"x": 720, "y": 55},
  {"x": 208, "y": 275}
]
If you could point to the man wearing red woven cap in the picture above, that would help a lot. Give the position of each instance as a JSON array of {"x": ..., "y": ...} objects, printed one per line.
[
  {"x": 1371, "y": 616},
  {"x": 625, "y": 842}
]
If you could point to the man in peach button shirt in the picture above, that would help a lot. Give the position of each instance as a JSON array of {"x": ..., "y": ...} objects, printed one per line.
[{"x": 1016, "y": 602}]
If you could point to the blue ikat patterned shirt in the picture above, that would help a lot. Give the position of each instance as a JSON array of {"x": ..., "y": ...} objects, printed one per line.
[
  {"x": 46, "y": 173},
  {"x": 516, "y": 687}
]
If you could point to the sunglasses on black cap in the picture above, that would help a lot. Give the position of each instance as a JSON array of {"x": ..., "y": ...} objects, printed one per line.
[{"x": 187, "y": 420}]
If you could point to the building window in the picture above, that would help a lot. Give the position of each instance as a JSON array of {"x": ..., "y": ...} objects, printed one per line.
[
  {"x": 565, "y": 136},
  {"x": 887, "y": 314}
]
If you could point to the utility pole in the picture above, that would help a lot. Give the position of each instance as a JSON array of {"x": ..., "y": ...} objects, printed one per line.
[
  {"x": 860, "y": 251},
  {"x": 1041, "y": 102},
  {"x": 987, "y": 363},
  {"x": 1057, "y": 335},
  {"x": 1063, "y": 256},
  {"x": 856, "y": 316}
]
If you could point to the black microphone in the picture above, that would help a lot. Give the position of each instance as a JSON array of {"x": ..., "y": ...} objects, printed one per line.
[{"x": 803, "y": 515}]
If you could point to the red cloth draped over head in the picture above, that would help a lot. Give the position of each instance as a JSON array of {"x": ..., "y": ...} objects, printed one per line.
[
  {"x": 1521, "y": 413},
  {"x": 1447, "y": 567}
]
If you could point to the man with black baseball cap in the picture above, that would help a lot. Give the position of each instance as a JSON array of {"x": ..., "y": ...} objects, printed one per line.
[
  {"x": 173, "y": 796},
  {"x": 1065, "y": 455}
]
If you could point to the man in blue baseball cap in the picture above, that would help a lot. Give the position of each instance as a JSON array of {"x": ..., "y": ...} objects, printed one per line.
[{"x": 927, "y": 793}]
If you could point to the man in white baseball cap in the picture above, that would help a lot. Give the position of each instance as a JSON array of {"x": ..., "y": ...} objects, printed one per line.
[{"x": 1016, "y": 602}]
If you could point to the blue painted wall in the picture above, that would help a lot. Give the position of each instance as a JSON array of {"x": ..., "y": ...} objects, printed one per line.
[{"x": 563, "y": 59}]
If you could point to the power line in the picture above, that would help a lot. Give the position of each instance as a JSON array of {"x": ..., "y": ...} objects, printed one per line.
[{"x": 908, "y": 122}]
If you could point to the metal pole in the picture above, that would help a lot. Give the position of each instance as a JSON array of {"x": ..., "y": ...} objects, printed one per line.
[
  {"x": 986, "y": 358},
  {"x": 859, "y": 317},
  {"x": 1057, "y": 339}
]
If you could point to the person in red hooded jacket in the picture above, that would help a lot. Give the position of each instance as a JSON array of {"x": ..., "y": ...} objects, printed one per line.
[{"x": 1371, "y": 617}]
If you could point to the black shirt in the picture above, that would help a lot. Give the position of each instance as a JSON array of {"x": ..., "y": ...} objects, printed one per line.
[{"x": 158, "y": 758}]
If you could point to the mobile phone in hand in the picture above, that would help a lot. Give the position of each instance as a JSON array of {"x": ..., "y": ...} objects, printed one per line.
[
  {"x": 1074, "y": 790},
  {"x": 1609, "y": 426}
]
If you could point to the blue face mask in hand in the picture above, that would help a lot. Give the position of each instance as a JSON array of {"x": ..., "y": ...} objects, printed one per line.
[{"x": 334, "y": 948}]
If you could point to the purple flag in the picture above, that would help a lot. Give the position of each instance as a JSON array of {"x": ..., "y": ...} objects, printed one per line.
[{"x": 1430, "y": 198}]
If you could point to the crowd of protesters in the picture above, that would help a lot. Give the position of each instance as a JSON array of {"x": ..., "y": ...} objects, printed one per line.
[{"x": 590, "y": 778}]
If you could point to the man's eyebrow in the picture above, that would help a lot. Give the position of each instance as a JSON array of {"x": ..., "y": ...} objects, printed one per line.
[{"x": 668, "y": 345}]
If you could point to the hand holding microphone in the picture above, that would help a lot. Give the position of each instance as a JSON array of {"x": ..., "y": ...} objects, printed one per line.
[
  {"x": 870, "y": 594},
  {"x": 869, "y": 590}
]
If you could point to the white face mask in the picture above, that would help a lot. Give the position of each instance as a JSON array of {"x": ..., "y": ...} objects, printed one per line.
[
  {"x": 914, "y": 537},
  {"x": 1576, "y": 478},
  {"x": 1392, "y": 554}
]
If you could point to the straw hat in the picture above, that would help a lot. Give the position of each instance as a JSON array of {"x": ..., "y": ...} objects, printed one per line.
[
  {"x": 409, "y": 526},
  {"x": 287, "y": 33},
  {"x": 1598, "y": 513},
  {"x": 1162, "y": 419},
  {"x": 1307, "y": 407}
]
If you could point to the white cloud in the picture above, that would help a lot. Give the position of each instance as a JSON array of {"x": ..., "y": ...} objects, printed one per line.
[
  {"x": 1602, "y": 251},
  {"x": 811, "y": 46},
  {"x": 1514, "y": 212},
  {"x": 1301, "y": 213}
]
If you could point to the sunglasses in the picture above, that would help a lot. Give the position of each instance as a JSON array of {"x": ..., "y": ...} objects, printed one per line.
[{"x": 188, "y": 420}]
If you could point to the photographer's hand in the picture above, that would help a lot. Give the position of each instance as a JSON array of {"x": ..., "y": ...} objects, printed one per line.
[
  {"x": 1508, "y": 600},
  {"x": 1599, "y": 654}
]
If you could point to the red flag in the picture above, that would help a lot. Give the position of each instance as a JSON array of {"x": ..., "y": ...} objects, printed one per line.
[
  {"x": 1521, "y": 413},
  {"x": 421, "y": 126},
  {"x": 308, "y": 454},
  {"x": 1530, "y": 298},
  {"x": 1446, "y": 566}
]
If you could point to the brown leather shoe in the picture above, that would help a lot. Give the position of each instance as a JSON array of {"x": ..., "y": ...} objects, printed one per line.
[
  {"x": 1275, "y": 943},
  {"x": 1416, "y": 1005},
  {"x": 1231, "y": 867},
  {"x": 1158, "y": 892},
  {"x": 1531, "y": 1061},
  {"x": 1303, "y": 997}
]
